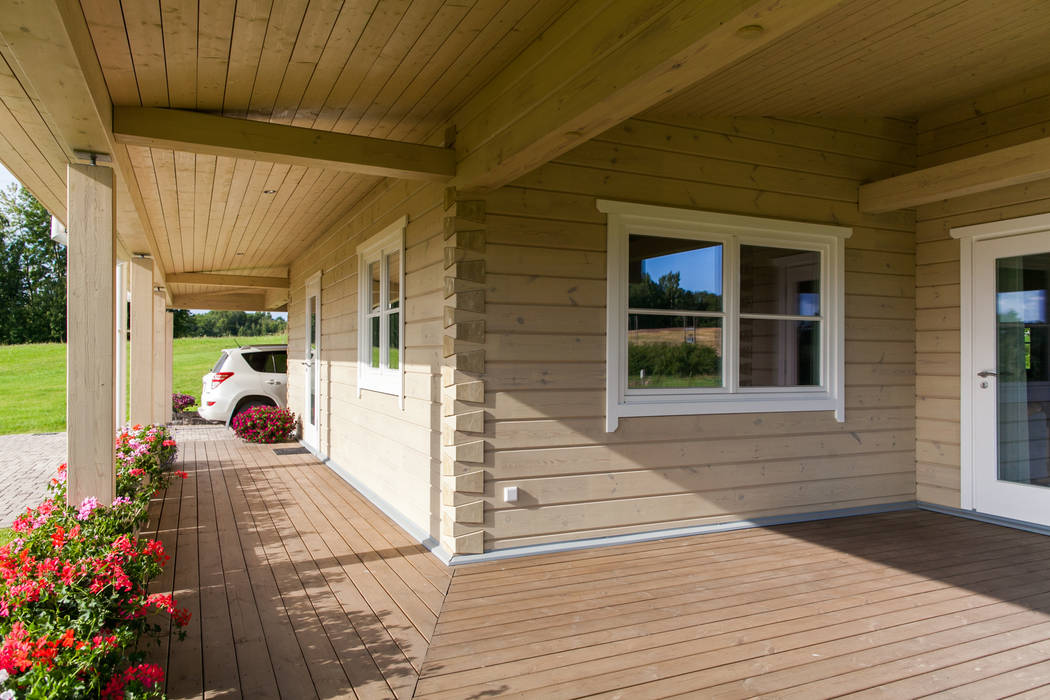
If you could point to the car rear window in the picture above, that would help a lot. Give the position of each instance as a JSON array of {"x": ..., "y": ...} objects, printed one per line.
[
  {"x": 273, "y": 362},
  {"x": 257, "y": 360},
  {"x": 220, "y": 363}
]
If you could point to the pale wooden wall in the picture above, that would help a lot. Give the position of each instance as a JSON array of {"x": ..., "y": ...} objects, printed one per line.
[
  {"x": 1002, "y": 118},
  {"x": 545, "y": 343},
  {"x": 394, "y": 451}
]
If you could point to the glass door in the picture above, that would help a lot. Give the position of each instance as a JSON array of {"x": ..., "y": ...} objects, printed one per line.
[
  {"x": 312, "y": 362},
  {"x": 1011, "y": 352}
]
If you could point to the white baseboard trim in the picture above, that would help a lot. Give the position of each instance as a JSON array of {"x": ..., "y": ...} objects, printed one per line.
[
  {"x": 572, "y": 545},
  {"x": 985, "y": 518},
  {"x": 402, "y": 521}
]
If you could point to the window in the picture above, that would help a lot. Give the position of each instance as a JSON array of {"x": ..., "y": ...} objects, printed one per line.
[
  {"x": 714, "y": 313},
  {"x": 380, "y": 302}
]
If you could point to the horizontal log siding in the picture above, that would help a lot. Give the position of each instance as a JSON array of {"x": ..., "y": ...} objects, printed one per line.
[
  {"x": 394, "y": 451},
  {"x": 545, "y": 341},
  {"x": 1006, "y": 117}
]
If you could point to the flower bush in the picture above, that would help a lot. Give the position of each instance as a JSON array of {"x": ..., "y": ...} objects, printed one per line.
[
  {"x": 265, "y": 424},
  {"x": 74, "y": 598},
  {"x": 180, "y": 402}
]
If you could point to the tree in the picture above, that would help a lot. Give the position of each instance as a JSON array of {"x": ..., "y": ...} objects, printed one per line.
[
  {"x": 32, "y": 272},
  {"x": 226, "y": 323}
]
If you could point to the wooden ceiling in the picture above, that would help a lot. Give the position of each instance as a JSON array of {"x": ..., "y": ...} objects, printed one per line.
[
  {"x": 888, "y": 58},
  {"x": 392, "y": 69}
]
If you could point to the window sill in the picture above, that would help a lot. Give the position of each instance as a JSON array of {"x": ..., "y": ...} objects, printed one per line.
[
  {"x": 751, "y": 402},
  {"x": 380, "y": 383}
]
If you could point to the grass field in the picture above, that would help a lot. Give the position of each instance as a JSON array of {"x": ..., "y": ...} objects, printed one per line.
[{"x": 33, "y": 378}]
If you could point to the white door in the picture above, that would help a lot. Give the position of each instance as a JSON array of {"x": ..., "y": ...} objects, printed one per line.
[
  {"x": 312, "y": 361},
  {"x": 1011, "y": 377}
]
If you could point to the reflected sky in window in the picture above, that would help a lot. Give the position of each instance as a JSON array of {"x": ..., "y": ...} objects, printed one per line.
[
  {"x": 1027, "y": 306},
  {"x": 701, "y": 270}
]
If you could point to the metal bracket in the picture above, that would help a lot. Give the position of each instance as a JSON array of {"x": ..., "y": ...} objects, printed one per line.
[{"x": 92, "y": 157}]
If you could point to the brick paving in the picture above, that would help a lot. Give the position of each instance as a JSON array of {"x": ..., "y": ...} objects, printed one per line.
[{"x": 27, "y": 462}]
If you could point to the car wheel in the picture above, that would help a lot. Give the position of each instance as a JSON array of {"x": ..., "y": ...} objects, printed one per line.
[{"x": 246, "y": 406}]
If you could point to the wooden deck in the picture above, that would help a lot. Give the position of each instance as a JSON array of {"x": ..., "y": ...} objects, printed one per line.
[{"x": 300, "y": 588}]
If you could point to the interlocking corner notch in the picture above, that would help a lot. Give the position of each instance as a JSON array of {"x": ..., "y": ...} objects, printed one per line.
[{"x": 462, "y": 377}]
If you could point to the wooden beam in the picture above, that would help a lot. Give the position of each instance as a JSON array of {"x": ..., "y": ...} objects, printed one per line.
[
  {"x": 91, "y": 361},
  {"x": 228, "y": 302},
  {"x": 141, "y": 385},
  {"x": 223, "y": 280},
  {"x": 1014, "y": 165},
  {"x": 601, "y": 63},
  {"x": 210, "y": 134}
]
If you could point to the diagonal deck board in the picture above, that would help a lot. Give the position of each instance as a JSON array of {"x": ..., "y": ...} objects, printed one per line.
[{"x": 302, "y": 588}]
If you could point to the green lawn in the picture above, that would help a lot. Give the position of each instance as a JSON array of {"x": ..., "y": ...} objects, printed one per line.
[{"x": 33, "y": 378}]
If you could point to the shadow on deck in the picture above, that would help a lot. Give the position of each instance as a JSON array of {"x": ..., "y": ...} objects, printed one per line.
[{"x": 301, "y": 588}]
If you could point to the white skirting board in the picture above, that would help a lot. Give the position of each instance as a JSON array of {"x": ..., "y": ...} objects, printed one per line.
[{"x": 985, "y": 518}]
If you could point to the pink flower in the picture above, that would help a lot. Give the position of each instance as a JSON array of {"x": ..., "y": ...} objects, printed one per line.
[{"x": 86, "y": 507}]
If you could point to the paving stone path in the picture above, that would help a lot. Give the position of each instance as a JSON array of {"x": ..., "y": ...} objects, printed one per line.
[{"x": 27, "y": 463}]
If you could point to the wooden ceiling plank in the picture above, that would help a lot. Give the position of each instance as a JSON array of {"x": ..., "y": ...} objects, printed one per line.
[
  {"x": 141, "y": 162},
  {"x": 286, "y": 19},
  {"x": 426, "y": 57},
  {"x": 249, "y": 32},
  {"x": 381, "y": 25},
  {"x": 167, "y": 187},
  {"x": 1014, "y": 165},
  {"x": 325, "y": 191},
  {"x": 24, "y": 129},
  {"x": 106, "y": 22},
  {"x": 959, "y": 73},
  {"x": 609, "y": 73},
  {"x": 12, "y": 159},
  {"x": 204, "y": 186},
  {"x": 221, "y": 186},
  {"x": 317, "y": 31},
  {"x": 446, "y": 67},
  {"x": 180, "y": 30},
  {"x": 837, "y": 37},
  {"x": 348, "y": 28},
  {"x": 253, "y": 230},
  {"x": 286, "y": 190},
  {"x": 1001, "y": 98},
  {"x": 215, "y": 33},
  {"x": 411, "y": 27},
  {"x": 242, "y": 171},
  {"x": 292, "y": 210},
  {"x": 278, "y": 143},
  {"x": 185, "y": 194},
  {"x": 146, "y": 41},
  {"x": 228, "y": 280},
  {"x": 234, "y": 255}
]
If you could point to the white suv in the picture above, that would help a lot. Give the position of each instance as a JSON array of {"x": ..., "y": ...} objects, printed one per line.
[{"x": 254, "y": 375}]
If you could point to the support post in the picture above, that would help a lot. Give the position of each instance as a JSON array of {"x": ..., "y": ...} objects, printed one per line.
[
  {"x": 141, "y": 341},
  {"x": 91, "y": 352},
  {"x": 121, "y": 394},
  {"x": 169, "y": 333},
  {"x": 161, "y": 404}
]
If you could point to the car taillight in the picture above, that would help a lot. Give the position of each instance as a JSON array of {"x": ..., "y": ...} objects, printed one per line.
[
  {"x": 211, "y": 403},
  {"x": 219, "y": 377}
]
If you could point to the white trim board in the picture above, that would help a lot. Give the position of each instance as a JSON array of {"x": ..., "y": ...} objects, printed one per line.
[{"x": 593, "y": 542}]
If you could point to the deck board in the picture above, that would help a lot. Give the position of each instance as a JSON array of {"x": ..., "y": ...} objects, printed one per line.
[{"x": 302, "y": 588}]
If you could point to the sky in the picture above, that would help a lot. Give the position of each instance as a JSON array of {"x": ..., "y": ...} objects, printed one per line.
[
  {"x": 701, "y": 269},
  {"x": 6, "y": 178}
]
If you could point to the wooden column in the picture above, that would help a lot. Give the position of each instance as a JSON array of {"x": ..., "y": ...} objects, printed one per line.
[
  {"x": 91, "y": 352},
  {"x": 161, "y": 403},
  {"x": 121, "y": 337},
  {"x": 141, "y": 342},
  {"x": 169, "y": 332}
]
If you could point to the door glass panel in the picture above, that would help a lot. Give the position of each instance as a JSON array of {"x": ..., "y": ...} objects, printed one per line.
[
  {"x": 673, "y": 352},
  {"x": 394, "y": 348},
  {"x": 393, "y": 275},
  {"x": 1023, "y": 382},
  {"x": 376, "y": 340},
  {"x": 311, "y": 356}
]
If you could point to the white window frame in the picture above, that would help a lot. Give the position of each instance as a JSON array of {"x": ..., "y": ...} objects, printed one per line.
[
  {"x": 376, "y": 249},
  {"x": 625, "y": 218}
]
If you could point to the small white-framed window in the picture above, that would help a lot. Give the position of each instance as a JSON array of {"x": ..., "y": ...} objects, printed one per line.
[
  {"x": 381, "y": 345},
  {"x": 718, "y": 313}
]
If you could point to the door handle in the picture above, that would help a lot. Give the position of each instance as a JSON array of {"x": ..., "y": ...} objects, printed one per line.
[{"x": 987, "y": 373}]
